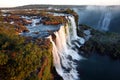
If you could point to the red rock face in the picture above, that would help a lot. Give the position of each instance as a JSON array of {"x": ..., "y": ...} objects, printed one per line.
[{"x": 26, "y": 22}]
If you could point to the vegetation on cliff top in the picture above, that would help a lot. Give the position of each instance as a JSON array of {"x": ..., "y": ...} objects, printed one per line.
[
  {"x": 72, "y": 12},
  {"x": 105, "y": 43},
  {"x": 21, "y": 58},
  {"x": 54, "y": 20}
]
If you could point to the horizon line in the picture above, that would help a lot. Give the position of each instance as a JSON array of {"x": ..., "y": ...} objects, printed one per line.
[{"x": 60, "y": 5}]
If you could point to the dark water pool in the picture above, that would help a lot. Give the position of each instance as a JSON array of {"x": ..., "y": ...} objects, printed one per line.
[{"x": 98, "y": 67}]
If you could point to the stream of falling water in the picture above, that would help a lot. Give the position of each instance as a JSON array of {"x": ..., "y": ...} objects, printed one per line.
[{"x": 63, "y": 53}]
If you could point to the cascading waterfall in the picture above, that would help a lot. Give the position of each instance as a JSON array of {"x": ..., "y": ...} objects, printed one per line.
[
  {"x": 63, "y": 53},
  {"x": 34, "y": 21},
  {"x": 105, "y": 21}
]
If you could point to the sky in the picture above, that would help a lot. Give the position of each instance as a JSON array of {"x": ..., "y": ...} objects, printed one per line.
[{"x": 13, "y": 3}]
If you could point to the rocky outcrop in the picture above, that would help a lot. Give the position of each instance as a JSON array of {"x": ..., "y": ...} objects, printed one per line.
[
  {"x": 18, "y": 22},
  {"x": 15, "y": 19}
]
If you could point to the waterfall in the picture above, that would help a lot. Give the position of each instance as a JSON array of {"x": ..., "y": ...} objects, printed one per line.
[
  {"x": 34, "y": 21},
  {"x": 98, "y": 17},
  {"x": 64, "y": 55},
  {"x": 104, "y": 21}
]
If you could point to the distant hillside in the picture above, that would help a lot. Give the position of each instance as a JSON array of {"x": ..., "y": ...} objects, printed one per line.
[
  {"x": 34, "y": 6},
  {"x": 42, "y": 6}
]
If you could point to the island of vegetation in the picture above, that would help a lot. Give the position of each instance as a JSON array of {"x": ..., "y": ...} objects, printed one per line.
[{"x": 104, "y": 43}]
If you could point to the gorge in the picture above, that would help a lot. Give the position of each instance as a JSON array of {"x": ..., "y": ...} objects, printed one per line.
[{"x": 81, "y": 43}]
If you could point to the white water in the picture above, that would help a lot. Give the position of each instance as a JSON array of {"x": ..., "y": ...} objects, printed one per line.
[
  {"x": 34, "y": 21},
  {"x": 104, "y": 21},
  {"x": 63, "y": 54}
]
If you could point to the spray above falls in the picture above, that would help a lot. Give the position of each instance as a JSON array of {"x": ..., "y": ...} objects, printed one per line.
[
  {"x": 98, "y": 17},
  {"x": 63, "y": 53}
]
